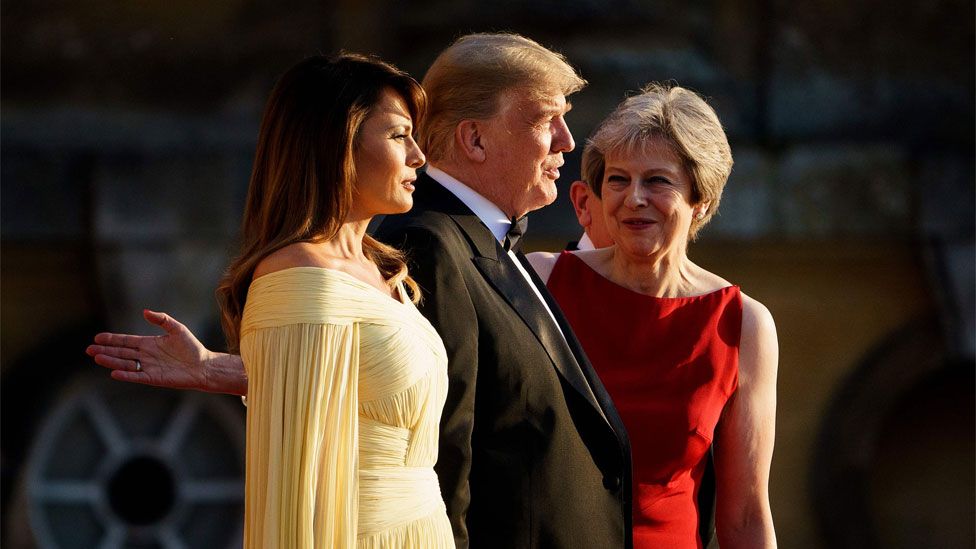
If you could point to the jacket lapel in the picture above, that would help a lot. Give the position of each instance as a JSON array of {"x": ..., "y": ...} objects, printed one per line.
[
  {"x": 500, "y": 271},
  {"x": 586, "y": 369},
  {"x": 509, "y": 282}
]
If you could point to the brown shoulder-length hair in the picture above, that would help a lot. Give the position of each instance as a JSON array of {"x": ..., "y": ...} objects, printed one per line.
[{"x": 301, "y": 184}]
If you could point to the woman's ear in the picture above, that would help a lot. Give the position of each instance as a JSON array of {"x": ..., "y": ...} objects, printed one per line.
[
  {"x": 469, "y": 140},
  {"x": 701, "y": 209}
]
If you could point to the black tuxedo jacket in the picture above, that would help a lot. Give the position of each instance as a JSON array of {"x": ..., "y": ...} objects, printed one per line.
[{"x": 532, "y": 451}]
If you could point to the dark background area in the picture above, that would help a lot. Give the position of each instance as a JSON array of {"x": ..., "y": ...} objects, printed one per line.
[{"x": 126, "y": 137}]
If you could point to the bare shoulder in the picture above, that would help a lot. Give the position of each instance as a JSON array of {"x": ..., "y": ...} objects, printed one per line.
[
  {"x": 598, "y": 259},
  {"x": 756, "y": 317},
  {"x": 758, "y": 346},
  {"x": 543, "y": 263},
  {"x": 707, "y": 281},
  {"x": 300, "y": 254}
]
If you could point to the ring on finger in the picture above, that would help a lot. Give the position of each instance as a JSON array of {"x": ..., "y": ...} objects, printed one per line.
[{"x": 138, "y": 365}]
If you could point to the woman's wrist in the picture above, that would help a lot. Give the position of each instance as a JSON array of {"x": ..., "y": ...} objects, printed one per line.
[{"x": 224, "y": 373}]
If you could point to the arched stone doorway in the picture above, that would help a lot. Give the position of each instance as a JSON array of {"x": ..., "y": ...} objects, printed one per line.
[{"x": 894, "y": 461}]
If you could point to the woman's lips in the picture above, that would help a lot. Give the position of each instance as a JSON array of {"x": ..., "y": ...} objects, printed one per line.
[{"x": 638, "y": 223}]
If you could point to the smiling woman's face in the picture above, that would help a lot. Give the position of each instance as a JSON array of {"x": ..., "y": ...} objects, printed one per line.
[{"x": 647, "y": 199}]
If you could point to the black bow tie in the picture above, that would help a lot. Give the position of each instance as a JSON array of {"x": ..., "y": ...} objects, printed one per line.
[{"x": 515, "y": 232}]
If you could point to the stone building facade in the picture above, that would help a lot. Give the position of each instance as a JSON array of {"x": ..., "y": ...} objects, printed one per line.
[{"x": 127, "y": 135}]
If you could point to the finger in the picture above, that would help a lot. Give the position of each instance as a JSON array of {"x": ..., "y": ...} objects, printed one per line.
[
  {"x": 118, "y": 364},
  {"x": 163, "y": 320},
  {"x": 131, "y": 377},
  {"x": 117, "y": 352},
  {"x": 121, "y": 340}
]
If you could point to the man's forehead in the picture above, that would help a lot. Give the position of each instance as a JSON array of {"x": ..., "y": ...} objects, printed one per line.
[
  {"x": 556, "y": 104},
  {"x": 540, "y": 101}
]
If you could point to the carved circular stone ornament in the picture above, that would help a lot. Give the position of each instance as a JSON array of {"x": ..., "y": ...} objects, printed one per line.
[{"x": 116, "y": 465}]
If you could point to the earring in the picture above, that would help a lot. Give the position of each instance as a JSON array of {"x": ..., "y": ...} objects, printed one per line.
[{"x": 700, "y": 215}]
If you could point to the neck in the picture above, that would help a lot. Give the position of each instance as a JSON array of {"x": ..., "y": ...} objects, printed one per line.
[
  {"x": 666, "y": 274},
  {"x": 348, "y": 242},
  {"x": 475, "y": 179}
]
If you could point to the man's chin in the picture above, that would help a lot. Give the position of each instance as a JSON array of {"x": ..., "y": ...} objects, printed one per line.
[
  {"x": 539, "y": 204},
  {"x": 551, "y": 194}
]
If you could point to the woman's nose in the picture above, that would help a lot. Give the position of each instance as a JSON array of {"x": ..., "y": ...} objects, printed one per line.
[{"x": 636, "y": 197}]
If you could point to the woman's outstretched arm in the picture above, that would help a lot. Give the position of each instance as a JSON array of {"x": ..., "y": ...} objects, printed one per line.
[{"x": 176, "y": 359}]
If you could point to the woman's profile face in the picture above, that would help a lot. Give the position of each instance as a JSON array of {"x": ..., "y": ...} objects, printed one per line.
[
  {"x": 647, "y": 199},
  {"x": 386, "y": 158}
]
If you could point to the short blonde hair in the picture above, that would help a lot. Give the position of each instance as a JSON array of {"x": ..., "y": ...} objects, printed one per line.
[
  {"x": 469, "y": 78},
  {"x": 683, "y": 119}
]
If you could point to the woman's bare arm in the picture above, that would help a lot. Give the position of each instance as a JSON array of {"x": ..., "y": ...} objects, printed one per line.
[
  {"x": 744, "y": 438},
  {"x": 176, "y": 359}
]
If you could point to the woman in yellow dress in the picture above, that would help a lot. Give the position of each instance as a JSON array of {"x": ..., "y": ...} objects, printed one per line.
[{"x": 346, "y": 380}]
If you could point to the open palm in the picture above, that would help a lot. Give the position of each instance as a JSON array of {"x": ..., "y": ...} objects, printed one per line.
[{"x": 175, "y": 359}]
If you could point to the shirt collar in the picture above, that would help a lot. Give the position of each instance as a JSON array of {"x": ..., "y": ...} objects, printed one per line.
[
  {"x": 491, "y": 215},
  {"x": 585, "y": 243}
]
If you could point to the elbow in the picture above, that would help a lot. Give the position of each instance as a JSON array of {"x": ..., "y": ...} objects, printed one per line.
[{"x": 753, "y": 530}]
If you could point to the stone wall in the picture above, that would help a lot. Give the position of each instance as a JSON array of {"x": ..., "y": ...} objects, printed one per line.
[{"x": 128, "y": 129}]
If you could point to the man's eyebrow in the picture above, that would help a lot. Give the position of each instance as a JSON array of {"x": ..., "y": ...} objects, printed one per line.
[{"x": 553, "y": 109}]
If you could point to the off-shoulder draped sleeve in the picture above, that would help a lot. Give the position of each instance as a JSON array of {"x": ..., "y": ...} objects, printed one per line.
[
  {"x": 345, "y": 389},
  {"x": 302, "y": 429}
]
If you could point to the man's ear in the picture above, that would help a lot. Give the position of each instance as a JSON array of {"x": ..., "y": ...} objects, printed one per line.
[
  {"x": 469, "y": 140},
  {"x": 579, "y": 194}
]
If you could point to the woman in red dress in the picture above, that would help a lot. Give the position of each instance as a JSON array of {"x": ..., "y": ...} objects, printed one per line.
[{"x": 687, "y": 357}]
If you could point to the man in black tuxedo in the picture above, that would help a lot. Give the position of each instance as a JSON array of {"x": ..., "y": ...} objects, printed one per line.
[{"x": 532, "y": 452}]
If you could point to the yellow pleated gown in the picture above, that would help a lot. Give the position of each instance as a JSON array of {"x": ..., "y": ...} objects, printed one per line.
[{"x": 345, "y": 391}]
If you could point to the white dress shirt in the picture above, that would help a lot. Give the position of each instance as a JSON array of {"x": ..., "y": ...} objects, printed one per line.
[
  {"x": 493, "y": 217},
  {"x": 585, "y": 243}
]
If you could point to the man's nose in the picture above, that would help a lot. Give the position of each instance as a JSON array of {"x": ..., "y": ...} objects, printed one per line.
[
  {"x": 416, "y": 157},
  {"x": 562, "y": 139}
]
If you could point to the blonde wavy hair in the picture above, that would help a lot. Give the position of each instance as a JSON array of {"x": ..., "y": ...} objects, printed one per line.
[
  {"x": 468, "y": 80},
  {"x": 686, "y": 122}
]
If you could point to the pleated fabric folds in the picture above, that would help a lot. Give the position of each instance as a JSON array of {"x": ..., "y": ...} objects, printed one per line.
[{"x": 345, "y": 391}]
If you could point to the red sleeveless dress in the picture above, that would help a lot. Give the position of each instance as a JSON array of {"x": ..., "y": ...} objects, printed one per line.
[{"x": 670, "y": 365}]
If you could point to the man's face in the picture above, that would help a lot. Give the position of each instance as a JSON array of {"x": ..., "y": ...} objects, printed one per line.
[{"x": 524, "y": 145}]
